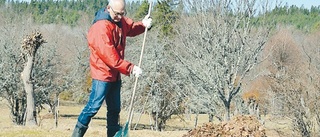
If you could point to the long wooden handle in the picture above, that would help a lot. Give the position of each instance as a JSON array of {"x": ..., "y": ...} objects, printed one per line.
[{"x": 136, "y": 80}]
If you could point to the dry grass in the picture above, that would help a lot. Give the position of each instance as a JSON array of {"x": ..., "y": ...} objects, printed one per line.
[{"x": 68, "y": 118}]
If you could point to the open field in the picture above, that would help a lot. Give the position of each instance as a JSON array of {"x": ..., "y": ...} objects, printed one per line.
[
  {"x": 68, "y": 117},
  {"x": 67, "y": 120}
]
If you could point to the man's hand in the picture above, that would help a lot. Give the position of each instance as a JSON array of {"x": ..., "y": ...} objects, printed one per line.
[
  {"x": 147, "y": 21},
  {"x": 136, "y": 71}
]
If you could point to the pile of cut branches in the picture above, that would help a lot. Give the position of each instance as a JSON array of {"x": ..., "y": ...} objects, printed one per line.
[{"x": 239, "y": 126}]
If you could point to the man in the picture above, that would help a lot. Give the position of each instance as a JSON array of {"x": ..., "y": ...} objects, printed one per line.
[{"x": 107, "y": 40}]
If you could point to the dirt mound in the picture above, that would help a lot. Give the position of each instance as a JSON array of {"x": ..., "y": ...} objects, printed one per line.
[{"x": 239, "y": 126}]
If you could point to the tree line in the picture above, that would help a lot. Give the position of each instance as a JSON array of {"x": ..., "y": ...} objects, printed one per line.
[
  {"x": 54, "y": 11},
  {"x": 69, "y": 11},
  {"x": 300, "y": 17}
]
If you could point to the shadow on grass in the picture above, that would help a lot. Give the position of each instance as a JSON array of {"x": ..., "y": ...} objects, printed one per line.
[
  {"x": 149, "y": 127},
  {"x": 137, "y": 127},
  {"x": 76, "y": 116}
]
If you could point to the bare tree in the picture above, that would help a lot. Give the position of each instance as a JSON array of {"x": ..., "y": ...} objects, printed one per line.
[
  {"x": 29, "y": 49},
  {"x": 167, "y": 91},
  {"x": 291, "y": 84},
  {"x": 10, "y": 87},
  {"x": 52, "y": 69},
  {"x": 160, "y": 91},
  {"x": 218, "y": 44},
  {"x": 312, "y": 51},
  {"x": 80, "y": 84},
  {"x": 307, "y": 124}
]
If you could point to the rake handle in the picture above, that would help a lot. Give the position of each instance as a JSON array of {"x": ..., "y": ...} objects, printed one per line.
[{"x": 136, "y": 79}]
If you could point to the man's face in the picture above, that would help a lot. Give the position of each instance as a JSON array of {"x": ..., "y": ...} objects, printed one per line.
[{"x": 117, "y": 11}]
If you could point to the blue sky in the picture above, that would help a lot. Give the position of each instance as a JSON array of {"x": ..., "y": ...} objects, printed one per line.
[{"x": 305, "y": 3}]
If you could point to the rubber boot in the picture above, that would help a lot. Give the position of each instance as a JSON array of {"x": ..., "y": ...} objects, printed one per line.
[
  {"x": 112, "y": 130},
  {"x": 79, "y": 130}
]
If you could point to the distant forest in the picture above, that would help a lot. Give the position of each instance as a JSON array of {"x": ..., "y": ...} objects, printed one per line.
[{"x": 69, "y": 11}]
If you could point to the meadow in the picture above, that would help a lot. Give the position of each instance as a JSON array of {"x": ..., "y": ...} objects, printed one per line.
[{"x": 68, "y": 112}]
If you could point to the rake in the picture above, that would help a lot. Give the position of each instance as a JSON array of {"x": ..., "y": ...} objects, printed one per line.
[{"x": 124, "y": 131}]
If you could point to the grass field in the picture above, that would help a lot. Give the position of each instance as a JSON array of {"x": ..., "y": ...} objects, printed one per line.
[
  {"x": 68, "y": 118},
  {"x": 68, "y": 113}
]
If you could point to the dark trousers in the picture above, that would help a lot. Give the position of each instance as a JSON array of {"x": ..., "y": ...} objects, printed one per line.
[{"x": 110, "y": 92}]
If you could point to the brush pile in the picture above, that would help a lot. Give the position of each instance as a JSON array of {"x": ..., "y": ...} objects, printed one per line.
[{"x": 239, "y": 126}]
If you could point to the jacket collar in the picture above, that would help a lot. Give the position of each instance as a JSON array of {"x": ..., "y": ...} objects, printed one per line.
[{"x": 103, "y": 15}]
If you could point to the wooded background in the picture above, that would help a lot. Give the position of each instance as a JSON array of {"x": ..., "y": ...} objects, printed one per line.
[{"x": 217, "y": 57}]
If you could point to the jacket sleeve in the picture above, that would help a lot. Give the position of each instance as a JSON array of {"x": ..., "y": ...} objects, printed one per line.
[
  {"x": 100, "y": 39},
  {"x": 133, "y": 28}
]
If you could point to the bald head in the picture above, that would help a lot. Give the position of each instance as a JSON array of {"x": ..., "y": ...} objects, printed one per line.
[
  {"x": 117, "y": 3},
  {"x": 117, "y": 9}
]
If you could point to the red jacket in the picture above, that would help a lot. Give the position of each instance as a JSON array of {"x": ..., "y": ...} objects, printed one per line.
[{"x": 107, "y": 43}]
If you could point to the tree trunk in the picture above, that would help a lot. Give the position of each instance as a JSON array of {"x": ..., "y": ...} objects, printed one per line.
[
  {"x": 56, "y": 109},
  {"x": 196, "y": 119},
  {"x": 227, "y": 109},
  {"x": 31, "y": 119}
]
